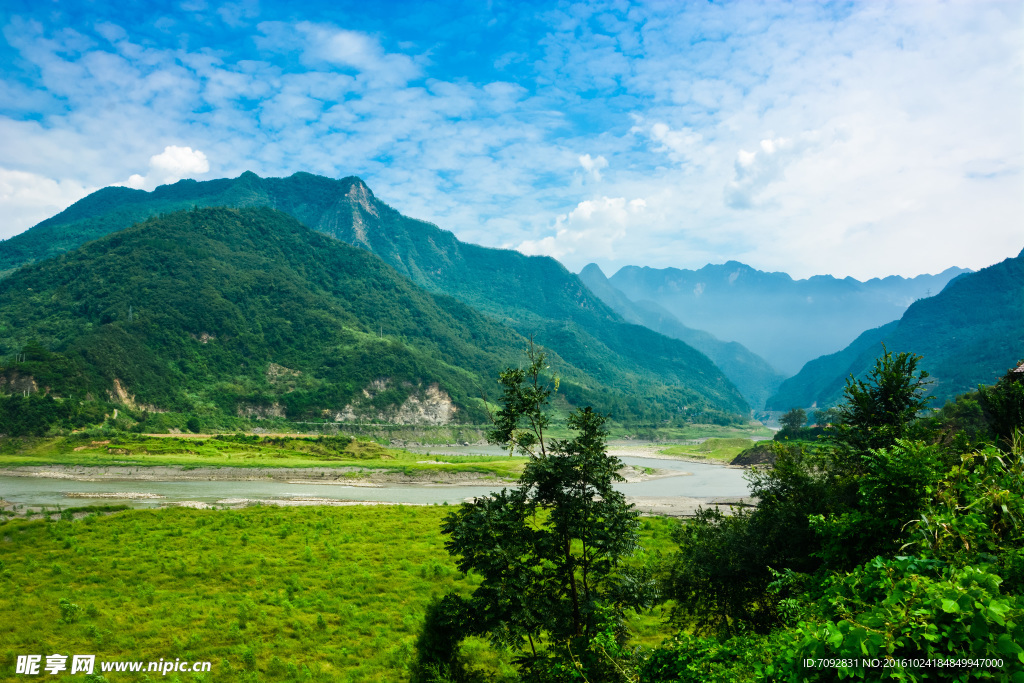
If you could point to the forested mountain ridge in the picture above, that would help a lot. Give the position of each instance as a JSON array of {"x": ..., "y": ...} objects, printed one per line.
[
  {"x": 969, "y": 334},
  {"x": 535, "y": 295},
  {"x": 248, "y": 312},
  {"x": 785, "y": 321},
  {"x": 243, "y": 311},
  {"x": 751, "y": 374}
]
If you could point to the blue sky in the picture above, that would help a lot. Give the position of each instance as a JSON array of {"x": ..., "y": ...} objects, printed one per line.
[{"x": 861, "y": 139}]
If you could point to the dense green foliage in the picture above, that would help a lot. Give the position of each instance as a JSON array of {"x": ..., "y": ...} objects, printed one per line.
[
  {"x": 238, "y": 310},
  {"x": 898, "y": 539},
  {"x": 627, "y": 370},
  {"x": 794, "y": 419},
  {"x": 35, "y": 414},
  {"x": 549, "y": 552},
  {"x": 223, "y": 312},
  {"x": 968, "y": 334}
]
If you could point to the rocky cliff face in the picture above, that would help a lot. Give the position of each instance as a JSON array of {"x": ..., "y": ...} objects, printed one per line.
[{"x": 432, "y": 406}]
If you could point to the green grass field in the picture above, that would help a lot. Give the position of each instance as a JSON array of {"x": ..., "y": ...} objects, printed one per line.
[
  {"x": 716, "y": 450},
  {"x": 693, "y": 431},
  {"x": 265, "y": 594},
  {"x": 242, "y": 451}
]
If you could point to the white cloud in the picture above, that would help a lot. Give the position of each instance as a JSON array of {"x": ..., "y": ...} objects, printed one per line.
[
  {"x": 170, "y": 166},
  {"x": 683, "y": 145},
  {"x": 326, "y": 45},
  {"x": 593, "y": 166},
  {"x": 593, "y": 229},
  {"x": 28, "y": 198},
  {"x": 756, "y": 170}
]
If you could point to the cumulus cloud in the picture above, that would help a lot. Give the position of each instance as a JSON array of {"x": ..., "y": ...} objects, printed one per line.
[
  {"x": 28, "y": 198},
  {"x": 682, "y": 145},
  {"x": 593, "y": 166},
  {"x": 591, "y": 230},
  {"x": 170, "y": 166},
  {"x": 757, "y": 169}
]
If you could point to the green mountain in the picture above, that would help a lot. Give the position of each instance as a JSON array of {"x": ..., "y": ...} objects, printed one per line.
[
  {"x": 248, "y": 312},
  {"x": 785, "y": 321},
  {"x": 820, "y": 383},
  {"x": 536, "y": 296},
  {"x": 968, "y": 334},
  {"x": 751, "y": 374}
]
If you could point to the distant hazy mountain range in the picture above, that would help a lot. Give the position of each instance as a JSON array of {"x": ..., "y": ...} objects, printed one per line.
[
  {"x": 751, "y": 374},
  {"x": 970, "y": 333},
  {"x": 785, "y": 321},
  {"x": 99, "y": 308}
]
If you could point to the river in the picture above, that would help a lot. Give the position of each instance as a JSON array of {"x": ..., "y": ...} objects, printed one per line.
[{"x": 695, "y": 480}]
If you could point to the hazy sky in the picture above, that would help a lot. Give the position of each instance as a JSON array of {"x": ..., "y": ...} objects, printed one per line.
[{"x": 855, "y": 138}]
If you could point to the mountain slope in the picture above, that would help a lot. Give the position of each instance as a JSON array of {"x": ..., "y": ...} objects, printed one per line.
[
  {"x": 751, "y": 374},
  {"x": 245, "y": 311},
  {"x": 250, "y": 312},
  {"x": 534, "y": 295},
  {"x": 820, "y": 382},
  {"x": 968, "y": 334},
  {"x": 785, "y": 321}
]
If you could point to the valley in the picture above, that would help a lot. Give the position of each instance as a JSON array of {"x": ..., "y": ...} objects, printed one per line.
[{"x": 274, "y": 400}]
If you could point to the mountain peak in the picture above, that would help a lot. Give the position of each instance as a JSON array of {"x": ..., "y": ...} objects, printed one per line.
[
  {"x": 592, "y": 271},
  {"x": 359, "y": 192}
]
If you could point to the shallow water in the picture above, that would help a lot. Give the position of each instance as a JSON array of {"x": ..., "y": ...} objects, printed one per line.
[{"x": 706, "y": 481}]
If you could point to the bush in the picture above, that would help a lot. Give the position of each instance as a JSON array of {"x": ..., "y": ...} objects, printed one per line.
[{"x": 910, "y": 608}]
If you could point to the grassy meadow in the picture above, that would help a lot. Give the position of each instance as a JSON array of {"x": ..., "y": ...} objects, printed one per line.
[
  {"x": 125, "y": 449},
  {"x": 720, "y": 450},
  {"x": 691, "y": 431},
  {"x": 265, "y": 594}
]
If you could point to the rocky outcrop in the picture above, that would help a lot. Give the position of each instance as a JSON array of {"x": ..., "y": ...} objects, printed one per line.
[
  {"x": 261, "y": 412},
  {"x": 281, "y": 378},
  {"x": 434, "y": 408},
  {"x": 430, "y": 407},
  {"x": 119, "y": 394},
  {"x": 17, "y": 383}
]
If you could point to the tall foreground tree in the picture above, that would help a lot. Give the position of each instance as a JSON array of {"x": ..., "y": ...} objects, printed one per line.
[
  {"x": 549, "y": 551},
  {"x": 879, "y": 409}
]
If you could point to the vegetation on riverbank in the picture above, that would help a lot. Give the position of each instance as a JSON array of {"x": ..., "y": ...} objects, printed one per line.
[
  {"x": 266, "y": 594},
  {"x": 239, "y": 450},
  {"x": 713, "y": 449},
  {"x": 896, "y": 542}
]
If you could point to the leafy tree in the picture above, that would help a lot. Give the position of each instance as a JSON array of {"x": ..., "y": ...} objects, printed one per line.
[
  {"x": 794, "y": 419},
  {"x": 879, "y": 409},
  {"x": 718, "y": 578},
  {"x": 838, "y": 505},
  {"x": 1003, "y": 405},
  {"x": 891, "y": 557},
  {"x": 437, "y": 645},
  {"x": 895, "y": 485},
  {"x": 548, "y": 552},
  {"x": 823, "y": 418}
]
